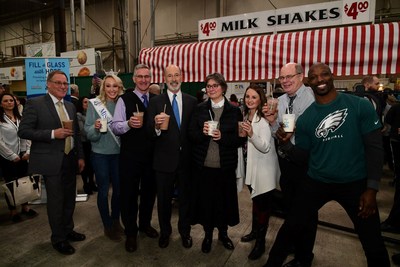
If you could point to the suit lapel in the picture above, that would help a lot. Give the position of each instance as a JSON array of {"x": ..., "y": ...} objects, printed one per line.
[
  {"x": 184, "y": 111},
  {"x": 70, "y": 110},
  {"x": 52, "y": 109}
]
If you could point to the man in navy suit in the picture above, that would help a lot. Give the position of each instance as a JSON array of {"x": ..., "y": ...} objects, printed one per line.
[
  {"x": 172, "y": 154},
  {"x": 56, "y": 153}
]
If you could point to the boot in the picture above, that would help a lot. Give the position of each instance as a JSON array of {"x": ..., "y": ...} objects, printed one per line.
[
  {"x": 224, "y": 238},
  {"x": 116, "y": 225},
  {"x": 112, "y": 234},
  {"x": 259, "y": 247},
  {"x": 253, "y": 234}
]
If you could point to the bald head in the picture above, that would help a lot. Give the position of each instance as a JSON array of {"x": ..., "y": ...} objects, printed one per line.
[{"x": 154, "y": 89}]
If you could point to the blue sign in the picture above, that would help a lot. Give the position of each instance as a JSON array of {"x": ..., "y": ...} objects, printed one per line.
[{"x": 37, "y": 70}]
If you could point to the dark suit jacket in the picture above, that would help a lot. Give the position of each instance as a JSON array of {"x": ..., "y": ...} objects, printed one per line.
[
  {"x": 39, "y": 118},
  {"x": 173, "y": 144}
]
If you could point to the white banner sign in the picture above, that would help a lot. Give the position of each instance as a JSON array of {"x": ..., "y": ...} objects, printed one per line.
[
  {"x": 288, "y": 19},
  {"x": 12, "y": 74},
  {"x": 82, "y": 62},
  {"x": 41, "y": 50}
]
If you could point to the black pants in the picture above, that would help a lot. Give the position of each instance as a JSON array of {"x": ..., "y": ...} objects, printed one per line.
[
  {"x": 292, "y": 178},
  {"x": 87, "y": 173},
  {"x": 165, "y": 189},
  {"x": 61, "y": 193},
  {"x": 311, "y": 196},
  {"x": 136, "y": 177},
  {"x": 394, "y": 215}
]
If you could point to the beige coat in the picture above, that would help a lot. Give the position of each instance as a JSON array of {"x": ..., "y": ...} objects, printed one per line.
[{"x": 262, "y": 171}]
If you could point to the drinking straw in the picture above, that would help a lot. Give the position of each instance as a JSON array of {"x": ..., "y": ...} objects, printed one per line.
[
  {"x": 137, "y": 108},
  {"x": 209, "y": 111},
  {"x": 165, "y": 106}
]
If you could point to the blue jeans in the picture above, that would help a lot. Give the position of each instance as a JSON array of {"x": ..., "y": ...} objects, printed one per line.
[{"x": 106, "y": 171}]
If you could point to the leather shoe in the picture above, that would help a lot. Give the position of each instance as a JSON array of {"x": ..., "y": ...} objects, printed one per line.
[
  {"x": 226, "y": 241},
  {"x": 64, "y": 248},
  {"x": 163, "y": 242},
  {"x": 149, "y": 231},
  {"x": 297, "y": 263},
  {"x": 206, "y": 245},
  {"x": 249, "y": 237},
  {"x": 186, "y": 241},
  {"x": 74, "y": 236},
  {"x": 131, "y": 243}
]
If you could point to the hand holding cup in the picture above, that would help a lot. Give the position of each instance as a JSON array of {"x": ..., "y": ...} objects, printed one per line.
[
  {"x": 136, "y": 120},
  {"x": 161, "y": 121},
  {"x": 247, "y": 128}
]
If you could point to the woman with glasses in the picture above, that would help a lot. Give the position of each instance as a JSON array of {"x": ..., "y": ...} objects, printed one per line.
[
  {"x": 215, "y": 159},
  {"x": 105, "y": 153},
  {"x": 14, "y": 151},
  {"x": 262, "y": 168}
]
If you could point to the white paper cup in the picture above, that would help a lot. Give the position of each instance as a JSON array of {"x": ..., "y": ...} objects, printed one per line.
[
  {"x": 103, "y": 128},
  {"x": 288, "y": 122},
  {"x": 212, "y": 125}
]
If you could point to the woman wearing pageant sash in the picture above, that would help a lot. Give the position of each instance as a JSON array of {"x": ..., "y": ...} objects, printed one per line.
[
  {"x": 14, "y": 151},
  {"x": 105, "y": 153}
]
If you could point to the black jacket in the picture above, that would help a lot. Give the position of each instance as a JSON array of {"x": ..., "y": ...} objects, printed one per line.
[{"x": 229, "y": 142}]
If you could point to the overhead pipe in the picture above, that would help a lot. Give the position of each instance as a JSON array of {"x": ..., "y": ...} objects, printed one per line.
[
  {"x": 83, "y": 24},
  {"x": 73, "y": 24},
  {"x": 138, "y": 33},
  {"x": 153, "y": 23},
  {"x": 60, "y": 33}
]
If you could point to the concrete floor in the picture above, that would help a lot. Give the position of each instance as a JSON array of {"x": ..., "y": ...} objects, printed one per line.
[{"x": 28, "y": 243}]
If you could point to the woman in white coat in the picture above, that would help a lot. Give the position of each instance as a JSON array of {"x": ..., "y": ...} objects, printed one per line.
[{"x": 262, "y": 168}]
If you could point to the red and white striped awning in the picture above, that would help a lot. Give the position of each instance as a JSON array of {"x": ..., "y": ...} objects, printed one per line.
[{"x": 355, "y": 50}]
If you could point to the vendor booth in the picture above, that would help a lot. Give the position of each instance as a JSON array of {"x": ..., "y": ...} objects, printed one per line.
[{"x": 349, "y": 51}]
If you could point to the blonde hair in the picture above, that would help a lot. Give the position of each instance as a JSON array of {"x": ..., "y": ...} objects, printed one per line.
[{"x": 102, "y": 94}]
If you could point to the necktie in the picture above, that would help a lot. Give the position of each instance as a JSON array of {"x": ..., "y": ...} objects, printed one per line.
[
  {"x": 175, "y": 108},
  {"x": 145, "y": 101},
  {"x": 63, "y": 117},
  {"x": 290, "y": 106}
]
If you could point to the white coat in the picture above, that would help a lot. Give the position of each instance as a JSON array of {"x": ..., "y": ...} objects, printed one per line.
[
  {"x": 262, "y": 170},
  {"x": 10, "y": 144}
]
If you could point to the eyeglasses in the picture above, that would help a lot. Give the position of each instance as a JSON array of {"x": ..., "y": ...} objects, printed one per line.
[
  {"x": 287, "y": 77},
  {"x": 215, "y": 86},
  {"x": 60, "y": 83},
  {"x": 146, "y": 77}
]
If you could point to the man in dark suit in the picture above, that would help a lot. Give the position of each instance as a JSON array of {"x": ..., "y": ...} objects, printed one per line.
[
  {"x": 172, "y": 154},
  {"x": 56, "y": 153},
  {"x": 136, "y": 159}
]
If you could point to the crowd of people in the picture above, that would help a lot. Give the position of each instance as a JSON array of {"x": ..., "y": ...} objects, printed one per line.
[{"x": 148, "y": 146}]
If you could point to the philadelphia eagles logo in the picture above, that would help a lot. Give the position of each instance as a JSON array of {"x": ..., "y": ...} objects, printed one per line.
[{"x": 332, "y": 122}]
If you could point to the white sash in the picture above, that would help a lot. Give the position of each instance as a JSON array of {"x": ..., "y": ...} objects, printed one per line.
[{"x": 103, "y": 112}]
